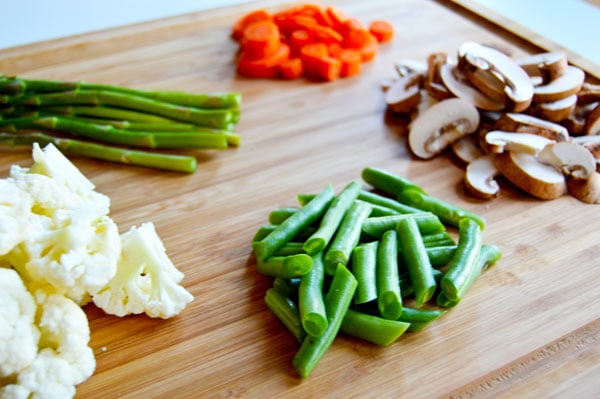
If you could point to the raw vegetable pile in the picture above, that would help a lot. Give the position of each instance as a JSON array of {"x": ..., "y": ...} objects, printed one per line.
[
  {"x": 367, "y": 263},
  {"x": 117, "y": 124},
  {"x": 60, "y": 250},
  {"x": 320, "y": 43}
]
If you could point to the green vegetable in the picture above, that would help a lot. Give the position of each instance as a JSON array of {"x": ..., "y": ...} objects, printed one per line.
[
  {"x": 448, "y": 213},
  {"x": 287, "y": 286},
  {"x": 389, "y": 298},
  {"x": 385, "y": 205},
  {"x": 464, "y": 261},
  {"x": 346, "y": 237},
  {"x": 364, "y": 267},
  {"x": 388, "y": 182},
  {"x": 419, "y": 318},
  {"x": 285, "y": 266},
  {"x": 332, "y": 219},
  {"x": 372, "y": 328},
  {"x": 286, "y": 311},
  {"x": 337, "y": 302},
  {"x": 279, "y": 215},
  {"x": 416, "y": 259},
  {"x": 310, "y": 298},
  {"x": 287, "y": 230},
  {"x": 427, "y": 223}
]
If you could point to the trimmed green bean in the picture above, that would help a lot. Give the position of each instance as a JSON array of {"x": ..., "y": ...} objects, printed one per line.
[
  {"x": 291, "y": 248},
  {"x": 448, "y": 213},
  {"x": 285, "y": 266},
  {"x": 264, "y": 231},
  {"x": 287, "y": 286},
  {"x": 388, "y": 182},
  {"x": 372, "y": 328},
  {"x": 286, "y": 311},
  {"x": 378, "y": 210},
  {"x": 438, "y": 239},
  {"x": 488, "y": 255},
  {"x": 390, "y": 205},
  {"x": 439, "y": 256},
  {"x": 416, "y": 260},
  {"x": 427, "y": 222},
  {"x": 464, "y": 262},
  {"x": 419, "y": 318},
  {"x": 346, "y": 237},
  {"x": 364, "y": 266},
  {"x": 337, "y": 303},
  {"x": 279, "y": 215},
  {"x": 294, "y": 224},
  {"x": 389, "y": 297},
  {"x": 332, "y": 218},
  {"x": 310, "y": 298}
]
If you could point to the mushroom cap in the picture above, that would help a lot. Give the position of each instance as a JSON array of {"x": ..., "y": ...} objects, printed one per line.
[
  {"x": 466, "y": 149},
  {"x": 523, "y": 123},
  {"x": 404, "y": 94},
  {"x": 592, "y": 122},
  {"x": 548, "y": 66},
  {"x": 500, "y": 141},
  {"x": 570, "y": 158},
  {"x": 440, "y": 125},
  {"x": 585, "y": 190},
  {"x": 530, "y": 175},
  {"x": 480, "y": 177},
  {"x": 460, "y": 86},
  {"x": 563, "y": 86},
  {"x": 555, "y": 111},
  {"x": 517, "y": 84}
]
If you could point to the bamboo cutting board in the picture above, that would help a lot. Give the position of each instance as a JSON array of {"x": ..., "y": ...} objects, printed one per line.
[{"x": 529, "y": 327}]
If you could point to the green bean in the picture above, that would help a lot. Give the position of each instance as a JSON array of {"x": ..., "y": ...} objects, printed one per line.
[
  {"x": 427, "y": 222},
  {"x": 286, "y": 311},
  {"x": 285, "y": 266},
  {"x": 464, "y": 262},
  {"x": 438, "y": 239},
  {"x": 372, "y": 328},
  {"x": 448, "y": 213},
  {"x": 264, "y": 231},
  {"x": 364, "y": 264},
  {"x": 385, "y": 204},
  {"x": 439, "y": 256},
  {"x": 287, "y": 286},
  {"x": 304, "y": 198},
  {"x": 291, "y": 248},
  {"x": 419, "y": 318},
  {"x": 294, "y": 224},
  {"x": 332, "y": 219},
  {"x": 310, "y": 298},
  {"x": 346, "y": 237},
  {"x": 416, "y": 260},
  {"x": 337, "y": 303},
  {"x": 488, "y": 255},
  {"x": 388, "y": 182},
  {"x": 378, "y": 210},
  {"x": 389, "y": 298},
  {"x": 279, "y": 215}
]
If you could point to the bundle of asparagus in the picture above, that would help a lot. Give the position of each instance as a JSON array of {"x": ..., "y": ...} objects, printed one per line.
[{"x": 117, "y": 124}]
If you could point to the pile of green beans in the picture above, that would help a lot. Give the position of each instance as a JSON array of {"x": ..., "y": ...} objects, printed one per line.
[{"x": 371, "y": 264}]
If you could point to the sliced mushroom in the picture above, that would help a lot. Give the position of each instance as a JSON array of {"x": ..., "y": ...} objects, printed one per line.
[
  {"x": 500, "y": 141},
  {"x": 570, "y": 158},
  {"x": 592, "y": 122},
  {"x": 490, "y": 83},
  {"x": 548, "y": 66},
  {"x": 459, "y": 85},
  {"x": 575, "y": 122},
  {"x": 517, "y": 84},
  {"x": 563, "y": 86},
  {"x": 440, "y": 125},
  {"x": 406, "y": 67},
  {"x": 466, "y": 149},
  {"x": 433, "y": 80},
  {"x": 589, "y": 93},
  {"x": 585, "y": 190},
  {"x": 404, "y": 94},
  {"x": 530, "y": 175},
  {"x": 591, "y": 143},
  {"x": 555, "y": 111},
  {"x": 523, "y": 123},
  {"x": 480, "y": 177}
]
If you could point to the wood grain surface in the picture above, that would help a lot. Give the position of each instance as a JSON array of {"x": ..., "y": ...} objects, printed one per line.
[{"x": 529, "y": 327}]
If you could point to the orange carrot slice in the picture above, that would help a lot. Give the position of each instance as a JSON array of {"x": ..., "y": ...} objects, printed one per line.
[
  {"x": 351, "y": 62},
  {"x": 291, "y": 68},
  {"x": 264, "y": 67},
  {"x": 253, "y": 16},
  {"x": 382, "y": 30},
  {"x": 260, "y": 39}
]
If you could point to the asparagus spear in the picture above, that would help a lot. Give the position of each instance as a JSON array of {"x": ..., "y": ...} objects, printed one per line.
[{"x": 176, "y": 163}]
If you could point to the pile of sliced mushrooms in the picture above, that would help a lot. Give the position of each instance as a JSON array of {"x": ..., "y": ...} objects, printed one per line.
[{"x": 533, "y": 120}]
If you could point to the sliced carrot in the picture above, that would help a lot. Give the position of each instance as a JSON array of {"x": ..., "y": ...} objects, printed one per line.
[
  {"x": 291, "y": 68},
  {"x": 300, "y": 38},
  {"x": 356, "y": 35},
  {"x": 337, "y": 17},
  {"x": 369, "y": 50},
  {"x": 260, "y": 39},
  {"x": 242, "y": 23},
  {"x": 335, "y": 49},
  {"x": 326, "y": 34},
  {"x": 351, "y": 62},
  {"x": 327, "y": 68},
  {"x": 382, "y": 30},
  {"x": 264, "y": 67},
  {"x": 310, "y": 55}
]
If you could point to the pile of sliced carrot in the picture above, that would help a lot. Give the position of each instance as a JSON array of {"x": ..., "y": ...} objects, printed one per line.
[{"x": 309, "y": 40}]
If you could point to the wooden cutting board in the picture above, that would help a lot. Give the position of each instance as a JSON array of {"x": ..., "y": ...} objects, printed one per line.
[{"x": 528, "y": 328}]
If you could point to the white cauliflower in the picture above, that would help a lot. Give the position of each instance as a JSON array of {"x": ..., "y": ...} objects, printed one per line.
[
  {"x": 15, "y": 210},
  {"x": 146, "y": 280},
  {"x": 54, "y": 336}
]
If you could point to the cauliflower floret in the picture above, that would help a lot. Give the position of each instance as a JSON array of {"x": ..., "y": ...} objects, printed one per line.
[
  {"x": 18, "y": 334},
  {"x": 146, "y": 280},
  {"x": 15, "y": 210},
  {"x": 54, "y": 337}
]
